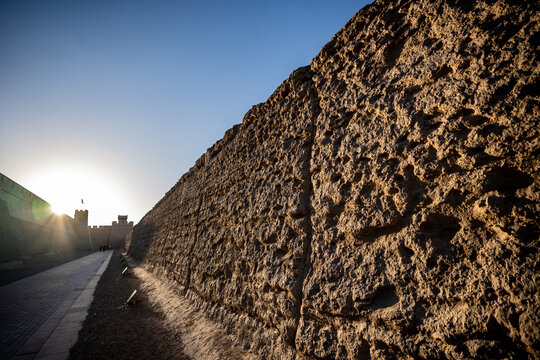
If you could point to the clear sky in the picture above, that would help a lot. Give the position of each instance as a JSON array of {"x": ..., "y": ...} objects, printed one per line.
[{"x": 112, "y": 101}]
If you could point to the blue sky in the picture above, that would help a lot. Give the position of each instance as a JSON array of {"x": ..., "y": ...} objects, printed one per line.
[{"x": 112, "y": 101}]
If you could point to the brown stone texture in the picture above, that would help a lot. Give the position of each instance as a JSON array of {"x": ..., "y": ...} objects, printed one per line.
[
  {"x": 253, "y": 224},
  {"x": 383, "y": 203}
]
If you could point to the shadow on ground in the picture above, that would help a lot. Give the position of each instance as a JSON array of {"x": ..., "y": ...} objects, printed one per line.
[{"x": 17, "y": 270}]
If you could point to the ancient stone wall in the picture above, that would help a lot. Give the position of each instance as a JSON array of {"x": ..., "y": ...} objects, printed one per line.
[
  {"x": 21, "y": 203},
  {"x": 28, "y": 226},
  {"x": 384, "y": 201},
  {"x": 114, "y": 235},
  {"x": 100, "y": 235}
]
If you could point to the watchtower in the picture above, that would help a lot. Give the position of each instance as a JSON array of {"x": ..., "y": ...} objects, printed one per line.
[{"x": 81, "y": 216}]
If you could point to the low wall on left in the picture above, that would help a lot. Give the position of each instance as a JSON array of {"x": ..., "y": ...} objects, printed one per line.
[{"x": 28, "y": 226}]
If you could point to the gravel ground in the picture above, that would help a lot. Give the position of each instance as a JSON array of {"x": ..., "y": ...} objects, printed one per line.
[{"x": 115, "y": 331}]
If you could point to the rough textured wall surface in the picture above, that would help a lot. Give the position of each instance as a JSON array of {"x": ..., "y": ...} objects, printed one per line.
[{"x": 384, "y": 202}]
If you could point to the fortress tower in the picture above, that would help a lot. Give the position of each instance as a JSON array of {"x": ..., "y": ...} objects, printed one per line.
[
  {"x": 122, "y": 220},
  {"x": 81, "y": 216},
  {"x": 113, "y": 235}
]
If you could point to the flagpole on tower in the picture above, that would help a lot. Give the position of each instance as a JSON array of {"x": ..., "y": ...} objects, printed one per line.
[{"x": 88, "y": 231}]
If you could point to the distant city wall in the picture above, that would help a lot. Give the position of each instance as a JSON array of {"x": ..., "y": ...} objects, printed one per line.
[
  {"x": 28, "y": 226},
  {"x": 111, "y": 235},
  {"x": 100, "y": 235}
]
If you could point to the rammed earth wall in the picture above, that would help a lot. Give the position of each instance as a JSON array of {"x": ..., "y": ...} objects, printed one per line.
[{"x": 383, "y": 202}]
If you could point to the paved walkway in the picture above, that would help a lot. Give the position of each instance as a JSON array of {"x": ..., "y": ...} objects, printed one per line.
[{"x": 41, "y": 315}]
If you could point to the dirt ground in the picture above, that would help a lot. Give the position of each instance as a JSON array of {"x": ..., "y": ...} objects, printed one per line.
[{"x": 115, "y": 331}]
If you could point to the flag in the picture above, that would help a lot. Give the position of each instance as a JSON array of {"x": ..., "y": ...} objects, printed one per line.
[{"x": 82, "y": 202}]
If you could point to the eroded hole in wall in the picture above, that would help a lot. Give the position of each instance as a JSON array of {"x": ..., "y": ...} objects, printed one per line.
[
  {"x": 479, "y": 157},
  {"x": 414, "y": 144},
  {"x": 476, "y": 120},
  {"x": 427, "y": 123},
  {"x": 393, "y": 51},
  {"x": 335, "y": 209},
  {"x": 405, "y": 252},
  {"x": 345, "y": 190},
  {"x": 227, "y": 272},
  {"x": 462, "y": 112},
  {"x": 271, "y": 239},
  {"x": 503, "y": 91},
  {"x": 346, "y": 118},
  {"x": 335, "y": 177},
  {"x": 530, "y": 90},
  {"x": 440, "y": 229},
  {"x": 402, "y": 138},
  {"x": 412, "y": 90},
  {"x": 298, "y": 213},
  {"x": 492, "y": 129},
  {"x": 384, "y": 297},
  {"x": 282, "y": 251},
  {"x": 465, "y": 64},
  {"x": 443, "y": 71},
  {"x": 506, "y": 179},
  {"x": 455, "y": 197},
  {"x": 528, "y": 233},
  {"x": 500, "y": 333}
]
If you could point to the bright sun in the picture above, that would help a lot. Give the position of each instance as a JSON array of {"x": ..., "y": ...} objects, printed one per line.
[
  {"x": 55, "y": 209},
  {"x": 65, "y": 187}
]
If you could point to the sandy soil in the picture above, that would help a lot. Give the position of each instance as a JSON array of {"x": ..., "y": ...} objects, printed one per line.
[{"x": 115, "y": 331}]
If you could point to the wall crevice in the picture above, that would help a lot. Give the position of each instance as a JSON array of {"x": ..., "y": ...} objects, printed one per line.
[
  {"x": 190, "y": 253},
  {"x": 308, "y": 206}
]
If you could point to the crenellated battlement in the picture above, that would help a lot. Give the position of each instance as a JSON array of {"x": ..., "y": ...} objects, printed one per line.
[
  {"x": 111, "y": 235},
  {"x": 81, "y": 216}
]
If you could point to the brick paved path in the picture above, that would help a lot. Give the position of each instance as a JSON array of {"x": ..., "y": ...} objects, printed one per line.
[{"x": 26, "y": 304}]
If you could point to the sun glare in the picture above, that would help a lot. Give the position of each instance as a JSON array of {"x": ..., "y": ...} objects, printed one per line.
[
  {"x": 56, "y": 209},
  {"x": 70, "y": 188}
]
